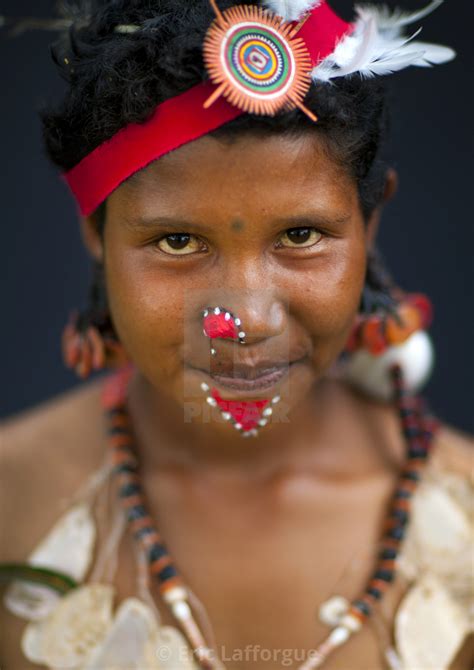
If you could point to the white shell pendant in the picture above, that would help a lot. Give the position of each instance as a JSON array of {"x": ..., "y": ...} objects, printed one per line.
[
  {"x": 429, "y": 627},
  {"x": 129, "y": 642},
  {"x": 438, "y": 539},
  {"x": 171, "y": 651},
  {"x": 332, "y": 610},
  {"x": 67, "y": 548},
  {"x": 76, "y": 626}
]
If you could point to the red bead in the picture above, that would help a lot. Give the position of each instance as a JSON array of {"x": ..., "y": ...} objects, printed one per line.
[
  {"x": 373, "y": 335},
  {"x": 424, "y": 306}
]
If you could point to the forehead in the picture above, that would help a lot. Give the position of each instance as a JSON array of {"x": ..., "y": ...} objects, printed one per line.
[{"x": 270, "y": 172}]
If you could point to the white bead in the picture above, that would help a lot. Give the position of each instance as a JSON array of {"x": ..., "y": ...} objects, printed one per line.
[
  {"x": 351, "y": 622},
  {"x": 181, "y": 610},
  {"x": 241, "y": 334},
  {"x": 246, "y": 433},
  {"x": 204, "y": 331},
  {"x": 238, "y": 426},
  {"x": 276, "y": 399},
  {"x": 237, "y": 322},
  {"x": 204, "y": 386},
  {"x": 175, "y": 594},
  {"x": 267, "y": 411},
  {"x": 213, "y": 352},
  {"x": 211, "y": 401},
  {"x": 263, "y": 422},
  {"x": 206, "y": 312},
  {"x": 254, "y": 432},
  {"x": 332, "y": 611},
  {"x": 370, "y": 373},
  {"x": 339, "y": 635},
  {"x": 227, "y": 316},
  {"x": 226, "y": 416},
  {"x": 217, "y": 310}
]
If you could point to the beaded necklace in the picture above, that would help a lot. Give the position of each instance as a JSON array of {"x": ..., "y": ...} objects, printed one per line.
[{"x": 418, "y": 429}]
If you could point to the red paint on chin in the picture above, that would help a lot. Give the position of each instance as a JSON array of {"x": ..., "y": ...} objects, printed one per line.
[
  {"x": 216, "y": 326},
  {"x": 247, "y": 413}
]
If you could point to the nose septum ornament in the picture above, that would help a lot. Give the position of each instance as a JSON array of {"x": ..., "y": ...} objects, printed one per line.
[
  {"x": 219, "y": 322},
  {"x": 246, "y": 416}
]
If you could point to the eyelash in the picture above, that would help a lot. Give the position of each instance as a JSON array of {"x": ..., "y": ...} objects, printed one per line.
[{"x": 279, "y": 246}]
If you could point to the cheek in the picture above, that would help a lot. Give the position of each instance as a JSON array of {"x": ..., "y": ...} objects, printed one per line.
[
  {"x": 148, "y": 311},
  {"x": 329, "y": 300}
]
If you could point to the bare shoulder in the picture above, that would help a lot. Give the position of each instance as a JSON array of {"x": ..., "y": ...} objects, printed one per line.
[
  {"x": 46, "y": 453},
  {"x": 454, "y": 451}
]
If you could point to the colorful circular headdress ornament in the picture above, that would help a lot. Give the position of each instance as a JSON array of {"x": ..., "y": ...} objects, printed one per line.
[{"x": 256, "y": 61}]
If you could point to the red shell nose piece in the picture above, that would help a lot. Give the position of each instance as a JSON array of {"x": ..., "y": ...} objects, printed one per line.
[{"x": 219, "y": 322}]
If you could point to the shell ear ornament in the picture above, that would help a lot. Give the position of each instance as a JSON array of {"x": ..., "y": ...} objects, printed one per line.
[
  {"x": 89, "y": 345},
  {"x": 381, "y": 341}
]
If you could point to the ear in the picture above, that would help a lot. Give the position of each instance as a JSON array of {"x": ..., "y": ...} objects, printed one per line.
[
  {"x": 391, "y": 187},
  {"x": 92, "y": 237}
]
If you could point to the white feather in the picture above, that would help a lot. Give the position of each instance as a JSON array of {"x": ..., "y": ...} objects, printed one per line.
[
  {"x": 378, "y": 47},
  {"x": 292, "y": 10},
  {"x": 397, "y": 18}
]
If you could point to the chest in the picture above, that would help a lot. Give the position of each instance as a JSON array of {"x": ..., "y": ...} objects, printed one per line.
[{"x": 261, "y": 567}]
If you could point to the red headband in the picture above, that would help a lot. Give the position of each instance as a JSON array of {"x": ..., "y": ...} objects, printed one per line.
[{"x": 178, "y": 121}]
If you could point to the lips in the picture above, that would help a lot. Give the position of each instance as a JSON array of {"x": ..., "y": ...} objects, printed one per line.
[
  {"x": 258, "y": 376},
  {"x": 257, "y": 380}
]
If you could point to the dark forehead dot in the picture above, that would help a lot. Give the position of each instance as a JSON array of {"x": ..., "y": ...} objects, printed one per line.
[{"x": 237, "y": 225}]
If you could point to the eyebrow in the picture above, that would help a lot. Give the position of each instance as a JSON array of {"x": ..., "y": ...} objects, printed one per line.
[
  {"x": 169, "y": 223},
  {"x": 318, "y": 219}
]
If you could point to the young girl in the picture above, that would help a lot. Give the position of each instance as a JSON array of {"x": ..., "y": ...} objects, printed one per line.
[{"x": 257, "y": 485}]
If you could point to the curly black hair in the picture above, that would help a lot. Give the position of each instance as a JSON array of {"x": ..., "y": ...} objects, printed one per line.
[{"x": 116, "y": 77}]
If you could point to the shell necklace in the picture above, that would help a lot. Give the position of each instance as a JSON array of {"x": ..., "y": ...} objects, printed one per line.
[{"x": 418, "y": 429}]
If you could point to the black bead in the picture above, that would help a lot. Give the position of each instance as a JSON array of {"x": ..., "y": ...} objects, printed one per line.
[
  {"x": 384, "y": 575},
  {"x": 126, "y": 468},
  {"x": 406, "y": 411},
  {"x": 372, "y": 591},
  {"x": 167, "y": 573},
  {"x": 417, "y": 452},
  {"x": 362, "y": 607},
  {"x": 136, "y": 512},
  {"x": 411, "y": 431},
  {"x": 119, "y": 430},
  {"x": 156, "y": 552},
  {"x": 397, "y": 533},
  {"x": 130, "y": 490},
  {"x": 412, "y": 475},
  {"x": 117, "y": 412},
  {"x": 403, "y": 493},
  {"x": 388, "y": 554},
  {"x": 401, "y": 515}
]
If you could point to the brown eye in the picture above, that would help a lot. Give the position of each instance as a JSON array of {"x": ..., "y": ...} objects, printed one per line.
[
  {"x": 179, "y": 244},
  {"x": 300, "y": 237}
]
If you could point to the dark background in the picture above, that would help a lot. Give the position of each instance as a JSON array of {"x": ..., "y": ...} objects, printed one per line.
[{"x": 426, "y": 236}]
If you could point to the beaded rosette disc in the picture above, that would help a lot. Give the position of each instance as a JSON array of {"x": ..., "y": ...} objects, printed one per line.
[{"x": 256, "y": 61}]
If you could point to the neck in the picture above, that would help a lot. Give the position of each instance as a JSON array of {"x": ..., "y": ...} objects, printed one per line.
[{"x": 165, "y": 439}]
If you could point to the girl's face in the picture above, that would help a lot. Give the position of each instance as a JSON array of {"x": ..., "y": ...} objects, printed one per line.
[{"x": 271, "y": 229}]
